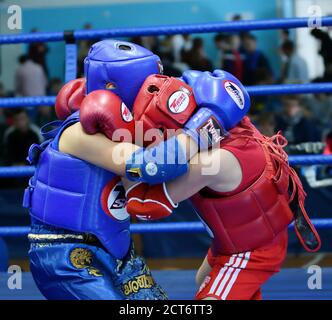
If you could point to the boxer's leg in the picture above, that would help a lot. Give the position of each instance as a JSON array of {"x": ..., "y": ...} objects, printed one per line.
[
  {"x": 74, "y": 271},
  {"x": 135, "y": 281},
  {"x": 202, "y": 272},
  {"x": 232, "y": 280},
  {"x": 240, "y": 276}
]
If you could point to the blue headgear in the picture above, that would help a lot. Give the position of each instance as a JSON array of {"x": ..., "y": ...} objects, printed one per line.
[{"x": 119, "y": 66}]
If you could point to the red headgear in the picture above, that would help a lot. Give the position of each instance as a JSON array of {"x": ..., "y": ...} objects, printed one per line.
[{"x": 164, "y": 103}]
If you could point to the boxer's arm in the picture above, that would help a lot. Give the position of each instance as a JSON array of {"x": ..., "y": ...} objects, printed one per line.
[
  {"x": 96, "y": 149},
  {"x": 223, "y": 102},
  {"x": 104, "y": 116},
  {"x": 217, "y": 169}
]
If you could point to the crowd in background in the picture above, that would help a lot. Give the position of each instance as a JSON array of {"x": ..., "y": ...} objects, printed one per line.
[{"x": 301, "y": 118}]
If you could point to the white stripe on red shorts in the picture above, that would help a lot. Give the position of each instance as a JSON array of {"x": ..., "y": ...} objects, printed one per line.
[{"x": 228, "y": 274}]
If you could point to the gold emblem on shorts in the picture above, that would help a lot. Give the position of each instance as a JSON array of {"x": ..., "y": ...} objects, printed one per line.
[
  {"x": 94, "y": 272},
  {"x": 139, "y": 282},
  {"x": 82, "y": 258}
]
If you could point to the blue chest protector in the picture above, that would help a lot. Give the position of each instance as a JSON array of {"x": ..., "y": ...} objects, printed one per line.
[{"x": 70, "y": 193}]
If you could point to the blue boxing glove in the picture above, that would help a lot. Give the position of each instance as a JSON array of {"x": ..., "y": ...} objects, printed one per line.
[
  {"x": 158, "y": 164},
  {"x": 222, "y": 102},
  {"x": 190, "y": 76}
]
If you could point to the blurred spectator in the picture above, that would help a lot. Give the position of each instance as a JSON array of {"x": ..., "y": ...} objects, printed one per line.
[
  {"x": 37, "y": 52},
  {"x": 255, "y": 60},
  {"x": 45, "y": 115},
  {"x": 325, "y": 47},
  {"x": 236, "y": 17},
  {"x": 229, "y": 54},
  {"x": 177, "y": 43},
  {"x": 166, "y": 49},
  {"x": 266, "y": 124},
  {"x": 55, "y": 86},
  {"x": 295, "y": 124},
  {"x": 188, "y": 42},
  {"x": 221, "y": 44},
  {"x": 294, "y": 67},
  {"x": 238, "y": 36},
  {"x": 2, "y": 123},
  {"x": 196, "y": 57},
  {"x": 180, "y": 45},
  {"x": 2, "y": 90},
  {"x": 328, "y": 146},
  {"x": 166, "y": 55},
  {"x": 30, "y": 78},
  {"x": 151, "y": 43},
  {"x": 320, "y": 105},
  {"x": 284, "y": 35},
  {"x": 19, "y": 137}
]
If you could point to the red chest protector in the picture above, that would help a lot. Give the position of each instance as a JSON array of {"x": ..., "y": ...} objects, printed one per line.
[{"x": 253, "y": 215}]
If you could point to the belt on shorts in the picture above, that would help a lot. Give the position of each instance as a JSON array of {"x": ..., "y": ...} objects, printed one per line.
[{"x": 42, "y": 233}]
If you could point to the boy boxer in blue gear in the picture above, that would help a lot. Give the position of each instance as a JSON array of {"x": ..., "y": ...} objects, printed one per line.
[{"x": 80, "y": 239}]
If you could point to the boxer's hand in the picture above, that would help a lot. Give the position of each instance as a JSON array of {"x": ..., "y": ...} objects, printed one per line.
[
  {"x": 69, "y": 98},
  {"x": 103, "y": 111},
  {"x": 149, "y": 202},
  {"x": 222, "y": 101},
  {"x": 164, "y": 162}
]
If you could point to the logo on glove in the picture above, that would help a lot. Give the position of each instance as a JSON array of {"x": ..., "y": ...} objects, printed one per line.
[
  {"x": 113, "y": 200},
  {"x": 125, "y": 113},
  {"x": 178, "y": 101},
  {"x": 212, "y": 132},
  {"x": 235, "y": 93}
]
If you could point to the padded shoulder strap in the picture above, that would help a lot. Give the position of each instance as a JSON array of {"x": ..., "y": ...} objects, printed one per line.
[{"x": 72, "y": 119}]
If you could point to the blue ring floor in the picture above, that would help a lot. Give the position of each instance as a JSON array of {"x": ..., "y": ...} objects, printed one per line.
[{"x": 289, "y": 284}]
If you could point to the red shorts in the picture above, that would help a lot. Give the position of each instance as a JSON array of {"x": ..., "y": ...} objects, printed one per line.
[{"x": 240, "y": 276}]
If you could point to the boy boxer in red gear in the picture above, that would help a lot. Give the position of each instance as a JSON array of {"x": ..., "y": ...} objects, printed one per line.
[{"x": 244, "y": 198}]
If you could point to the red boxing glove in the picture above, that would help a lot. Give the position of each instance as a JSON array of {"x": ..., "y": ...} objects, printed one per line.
[
  {"x": 149, "y": 202},
  {"x": 103, "y": 111},
  {"x": 164, "y": 103},
  {"x": 69, "y": 98}
]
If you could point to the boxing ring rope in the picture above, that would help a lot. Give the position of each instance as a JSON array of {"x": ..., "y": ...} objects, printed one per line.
[
  {"x": 28, "y": 171},
  {"x": 246, "y": 25},
  {"x": 165, "y": 227},
  {"x": 71, "y": 54},
  {"x": 274, "y": 89}
]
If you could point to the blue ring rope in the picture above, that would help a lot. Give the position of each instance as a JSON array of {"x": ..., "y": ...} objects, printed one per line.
[
  {"x": 166, "y": 30},
  {"x": 28, "y": 171},
  {"x": 167, "y": 227},
  {"x": 253, "y": 91}
]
